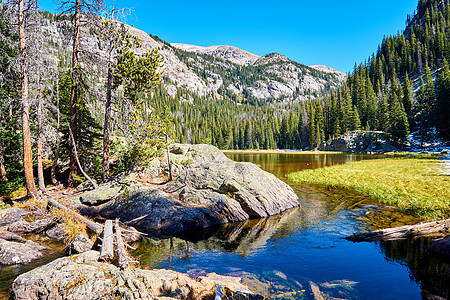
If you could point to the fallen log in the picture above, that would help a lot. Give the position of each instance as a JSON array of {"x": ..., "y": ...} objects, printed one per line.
[
  {"x": 122, "y": 254},
  {"x": 107, "y": 250},
  {"x": 97, "y": 228},
  {"x": 408, "y": 231}
]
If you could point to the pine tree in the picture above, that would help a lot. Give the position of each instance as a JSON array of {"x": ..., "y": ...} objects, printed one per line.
[
  {"x": 408, "y": 99},
  {"x": 443, "y": 103}
]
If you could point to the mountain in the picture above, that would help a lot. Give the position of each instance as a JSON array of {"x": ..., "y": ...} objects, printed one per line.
[
  {"x": 236, "y": 72},
  {"x": 233, "y": 54},
  {"x": 220, "y": 72}
]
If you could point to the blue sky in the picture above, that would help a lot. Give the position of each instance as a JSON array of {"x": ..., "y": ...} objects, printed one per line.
[{"x": 328, "y": 32}]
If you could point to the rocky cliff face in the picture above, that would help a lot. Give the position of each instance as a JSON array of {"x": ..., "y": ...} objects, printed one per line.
[{"x": 215, "y": 71}]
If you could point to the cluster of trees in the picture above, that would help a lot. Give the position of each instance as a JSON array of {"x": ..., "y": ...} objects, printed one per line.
[
  {"x": 382, "y": 88},
  {"x": 46, "y": 94}
]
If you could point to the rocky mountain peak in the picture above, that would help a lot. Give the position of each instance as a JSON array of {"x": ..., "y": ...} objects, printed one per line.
[
  {"x": 233, "y": 54},
  {"x": 272, "y": 58}
]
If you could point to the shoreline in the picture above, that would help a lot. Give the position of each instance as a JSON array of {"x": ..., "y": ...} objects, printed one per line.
[
  {"x": 277, "y": 151},
  {"x": 409, "y": 183}
]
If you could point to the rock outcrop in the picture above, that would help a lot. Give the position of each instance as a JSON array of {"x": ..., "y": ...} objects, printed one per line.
[
  {"x": 83, "y": 277},
  {"x": 208, "y": 189},
  {"x": 361, "y": 141}
]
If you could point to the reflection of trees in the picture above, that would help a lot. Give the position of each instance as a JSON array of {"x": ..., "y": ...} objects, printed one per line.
[
  {"x": 244, "y": 238},
  {"x": 425, "y": 268},
  {"x": 247, "y": 237}
]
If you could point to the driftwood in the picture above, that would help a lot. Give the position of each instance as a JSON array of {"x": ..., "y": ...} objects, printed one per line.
[
  {"x": 122, "y": 254},
  {"x": 92, "y": 225},
  {"x": 408, "y": 231},
  {"x": 107, "y": 251}
]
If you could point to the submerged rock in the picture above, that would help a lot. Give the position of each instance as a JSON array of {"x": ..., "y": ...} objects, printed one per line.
[
  {"x": 83, "y": 277},
  {"x": 208, "y": 189},
  {"x": 361, "y": 141}
]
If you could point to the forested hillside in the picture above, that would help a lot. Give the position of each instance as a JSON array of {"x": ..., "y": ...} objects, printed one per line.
[{"x": 404, "y": 87}]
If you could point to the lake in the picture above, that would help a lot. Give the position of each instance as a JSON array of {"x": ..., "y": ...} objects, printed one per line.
[{"x": 303, "y": 251}]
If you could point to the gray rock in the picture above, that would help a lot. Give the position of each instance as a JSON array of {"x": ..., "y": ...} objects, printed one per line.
[
  {"x": 208, "y": 189},
  {"x": 17, "y": 250},
  {"x": 83, "y": 277},
  {"x": 37, "y": 226},
  {"x": 103, "y": 193},
  {"x": 441, "y": 247},
  {"x": 57, "y": 232},
  {"x": 11, "y": 215},
  {"x": 361, "y": 141},
  {"x": 79, "y": 244}
]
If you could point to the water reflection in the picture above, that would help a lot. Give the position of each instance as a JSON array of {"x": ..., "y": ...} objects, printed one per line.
[
  {"x": 301, "y": 254},
  {"x": 425, "y": 267}
]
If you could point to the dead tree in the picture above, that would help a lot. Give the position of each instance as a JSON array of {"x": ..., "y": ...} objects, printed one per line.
[
  {"x": 74, "y": 146},
  {"x": 58, "y": 138},
  {"x": 122, "y": 254},
  {"x": 2, "y": 159},
  {"x": 408, "y": 231},
  {"x": 107, "y": 251},
  {"x": 27, "y": 153},
  {"x": 92, "y": 225},
  {"x": 40, "y": 167}
]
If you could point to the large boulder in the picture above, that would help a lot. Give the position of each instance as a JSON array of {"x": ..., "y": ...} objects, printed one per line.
[
  {"x": 361, "y": 141},
  {"x": 207, "y": 189},
  {"x": 84, "y": 277}
]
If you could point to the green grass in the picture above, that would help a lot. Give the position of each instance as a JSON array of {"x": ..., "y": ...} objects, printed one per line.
[{"x": 407, "y": 183}]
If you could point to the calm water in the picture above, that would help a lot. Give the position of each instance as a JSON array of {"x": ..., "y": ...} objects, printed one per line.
[{"x": 301, "y": 251}]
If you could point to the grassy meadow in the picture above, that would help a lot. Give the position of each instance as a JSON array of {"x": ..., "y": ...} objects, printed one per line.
[{"x": 417, "y": 183}]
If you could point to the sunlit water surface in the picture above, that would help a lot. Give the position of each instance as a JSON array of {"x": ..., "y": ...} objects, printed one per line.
[{"x": 301, "y": 251}]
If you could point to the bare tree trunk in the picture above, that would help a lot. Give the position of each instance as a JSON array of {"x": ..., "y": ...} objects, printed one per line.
[
  {"x": 408, "y": 231},
  {"x": 2, "y": 159},
  {"x": 107, "y": 251},
  {"x": 168, "y": 157},
  {"x": 92, "y": 225},
  {"x": 58, "y": 139},
  {"x": 106, "y": 132},
  {"x": 40, "y": 167},
  {"x": 27, "y": 154},
  {"x": 124, "y": 260},
  {"x": 74, "y": 91},
  {"x": 78, "y": 161}
]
